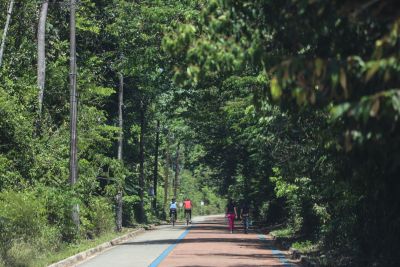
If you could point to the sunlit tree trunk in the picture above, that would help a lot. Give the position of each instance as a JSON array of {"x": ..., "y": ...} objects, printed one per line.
[
  {"x": 3, "y": 40},
  {"x": 120, "y": 143},
  {"x": 41, "y": 65},
  {"x": 120, "y": 118},
  {"x": 141, "y": 161},
  {"x": 73, "y": 160},
  {"x": 176, "y": 180},
  {"x": 166, "y": 175},
  {"x": 155, "y": 173}
]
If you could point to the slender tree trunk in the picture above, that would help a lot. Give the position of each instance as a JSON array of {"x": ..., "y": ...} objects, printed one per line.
[
  {"x": 176, "y": 181},
  {"x": 166, "y": 175},
  {"x": 3, "y": 40},
  {"x": 155, "y": 174},
  {"x": 73, "y": 160},
  {"x": 141, "y": 159},
  {"x": 120, "y": 142},
  {"x": 120, "y": 118},
  {"x": 41, "y": 65}
]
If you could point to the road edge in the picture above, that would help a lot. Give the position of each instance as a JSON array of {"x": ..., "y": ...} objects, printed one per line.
[{"x": 70, "y": 261}]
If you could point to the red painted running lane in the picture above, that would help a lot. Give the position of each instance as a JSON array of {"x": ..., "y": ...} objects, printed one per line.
[{"x": 211, "y": 244}]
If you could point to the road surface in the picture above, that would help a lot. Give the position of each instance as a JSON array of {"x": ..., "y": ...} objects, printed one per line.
[{"x": 206, "y": 243}]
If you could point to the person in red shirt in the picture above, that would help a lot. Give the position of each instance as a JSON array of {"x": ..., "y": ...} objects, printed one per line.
[
  {"x": 231, "y": 214},
  {"x": 187, "y": 205}
]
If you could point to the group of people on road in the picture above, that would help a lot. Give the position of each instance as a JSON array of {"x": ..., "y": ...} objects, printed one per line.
[
  {"x": 187, "y": 205},
  {"x": 231, "y": 213}
]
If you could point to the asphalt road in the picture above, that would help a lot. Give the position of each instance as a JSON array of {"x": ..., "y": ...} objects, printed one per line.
[
  {"x": 140, "y": 251},
  {"x": 207, "y": 243}
]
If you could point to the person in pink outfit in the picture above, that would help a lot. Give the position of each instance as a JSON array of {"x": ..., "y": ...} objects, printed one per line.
[{"x": 231, "y": 214}]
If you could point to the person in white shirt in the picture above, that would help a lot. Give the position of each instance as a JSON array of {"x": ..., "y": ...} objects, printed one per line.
[{"x": 172, "y": 208}]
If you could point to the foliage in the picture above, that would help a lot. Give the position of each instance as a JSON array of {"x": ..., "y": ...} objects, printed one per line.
[
  {"x": 331, "y": 69},
  {"x": 285, "y": 232},
  {"x": 25, "y": 233},
  {"x": 305, "y": 246}
]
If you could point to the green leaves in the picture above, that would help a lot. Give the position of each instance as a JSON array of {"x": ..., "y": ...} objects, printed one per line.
[
  {"x": 282, "y": 188},
  {"x": 276, "y": 91}
]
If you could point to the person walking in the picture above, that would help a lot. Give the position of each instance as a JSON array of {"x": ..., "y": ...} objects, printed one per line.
[
  {"x": 231, "y": 214},
  {"x": 245, "y": 215}
]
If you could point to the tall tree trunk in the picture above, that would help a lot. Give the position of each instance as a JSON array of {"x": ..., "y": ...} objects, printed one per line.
[
  {"x": 73, "y": 160},
  {"x": 3, "y": 40},
  {"x": 176, "y": 180},
  {"x": 120, "y": 118},
  {"x": 141, "y": 160},
  {"x": 41, "y": 65},
  {"x": 120, "y": 142},
  {"x": 155, "y": 173},
  {"x": 166, "y": 175}
]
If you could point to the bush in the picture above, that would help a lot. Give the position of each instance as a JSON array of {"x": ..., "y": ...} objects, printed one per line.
[
  {"x": 58, "y": 204},
  {"x": 21, "y": 254},
  {"x": 97, "y": 218},
  {"x": 306, "y": 246},
  {"x": 2, "y": 262},
  {"x": 287, "y": 232},
  {"x": 22, "y": 214},
  {"x": 25, "y": 232},
  {"x": 129, "y": 205}
]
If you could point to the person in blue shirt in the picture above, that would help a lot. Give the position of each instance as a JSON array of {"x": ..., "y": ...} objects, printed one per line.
[{"x": 172, "y": 208}]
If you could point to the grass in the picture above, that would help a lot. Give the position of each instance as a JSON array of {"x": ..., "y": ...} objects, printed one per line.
[
  {"x": 283, "y": 233},
  {"x": 72, "y": 249},
  {"x": 305, "y": 246}
]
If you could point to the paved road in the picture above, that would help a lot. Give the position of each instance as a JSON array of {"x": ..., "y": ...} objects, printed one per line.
[{"x": 207, "y": 243}]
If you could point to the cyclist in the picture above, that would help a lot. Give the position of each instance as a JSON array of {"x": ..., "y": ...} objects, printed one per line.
[
  {"x": 172, "y": 209},
  {"x": 187, "y": 204},
  {"x": 231, "y": 214},
  {"x": 244, "y": 213}
]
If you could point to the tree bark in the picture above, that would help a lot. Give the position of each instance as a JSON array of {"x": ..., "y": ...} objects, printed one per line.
[
  {"x": 41, "y": 65},
  {"x": 73, "y": 160},
  {"x": 3, "y": 40},
  {"x": 176, "y": 180},
  {"x": 141, "y": 160},
  {"x": 120, "y": 118},
  {"x": 120, "y": 142},
  {"x": 166, "y": 175},
  {"x": 155, "y": 173}
]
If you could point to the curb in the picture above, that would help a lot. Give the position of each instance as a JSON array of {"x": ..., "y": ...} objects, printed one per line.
[{"x": 90, "y": 252}]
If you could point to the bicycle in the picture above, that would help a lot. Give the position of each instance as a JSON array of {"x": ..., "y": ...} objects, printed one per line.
[
  {"x": 246, "y": 223},
  {"x": 173, "y": 217},
  {"x": 187, "y": 214}
]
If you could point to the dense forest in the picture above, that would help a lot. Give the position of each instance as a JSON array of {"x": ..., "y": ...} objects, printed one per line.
[{"x": 293, "y": 105}]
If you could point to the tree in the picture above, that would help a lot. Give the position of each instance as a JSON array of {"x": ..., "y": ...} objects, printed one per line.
[
  {"x": 176, "y": 179},
  {"x": 142, "y": 159},
  {"x": 155, "y": 172},
  {"x": 166, "y": 172},
  {"x": 3, "y": 39},
  {"x": 331, "y": 66},
  {"x": 120, "y": 147},
  {"x": 41, "y": 66},
  {"x": 73, "y": 164}
]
